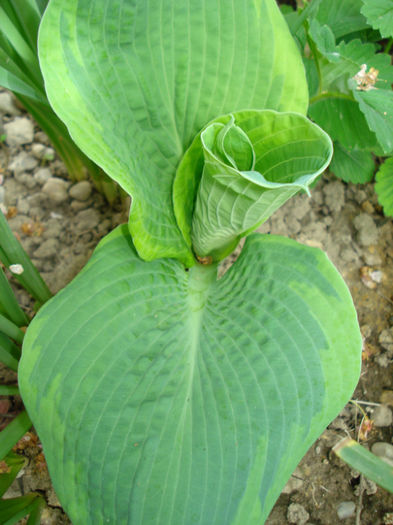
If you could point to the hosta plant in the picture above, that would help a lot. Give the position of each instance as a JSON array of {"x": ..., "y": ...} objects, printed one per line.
[
  {"x": 346, "y": 47},
  {"x": 162, "y": 393}
]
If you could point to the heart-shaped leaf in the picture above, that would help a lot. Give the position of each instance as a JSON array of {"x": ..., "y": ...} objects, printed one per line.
[
  {"x": 165, "y": 396},
  {"x": 135, "y": 81}
]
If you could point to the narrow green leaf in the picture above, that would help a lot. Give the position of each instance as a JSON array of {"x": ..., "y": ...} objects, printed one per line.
[
  {"x": 254, "y": 161},
  {"x": 20, "y": 45},
  {"x": 379, "y": 14},
  {"x": 14, "y": 463},
  {"x": 10, "y": 346},
  {"x": 13, "y": 432},
  {"x": 27, "y": 16},
  {"x": 352, "y": 165},
  {"x": 165, "y": 396},
  {"x": 377, "y": 106},
  {"x": 11, "y": 252},
  {"x": 13, "y": 509},
  {"x": 135, "y": 81},
  {"x": 11, "y": 329},
  {"x": 9, "y": 390},
  {"x": 384, "y": 186},
  {"x": 9, "y": 305},
  {"x": 14, "y": 83},
  {"x": 361, "y": 459},
  {"x": 36, "y": 511}
]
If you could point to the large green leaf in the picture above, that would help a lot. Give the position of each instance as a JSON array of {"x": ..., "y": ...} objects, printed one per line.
[
  {"x": 165, "y": 396},
  {"x": 342, "y": 16},
  {"x": 352, "y": 165},
  {"x": 379, "y": 14},
  {"x": 135, "y": 81},
  {"x": 245, "y": 166},
  {"x": 377, "y": 106},
  {"x": 344, "y": 122},
  {"x": 384, "y": 186}
]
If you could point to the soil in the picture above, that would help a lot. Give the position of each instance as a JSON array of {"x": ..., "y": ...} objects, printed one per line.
[{"x": 60, "y": 223}]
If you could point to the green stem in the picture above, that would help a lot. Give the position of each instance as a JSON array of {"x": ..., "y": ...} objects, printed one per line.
[
  {"x": 330, "y": 94},
  {"x": 388, "y": 46}
]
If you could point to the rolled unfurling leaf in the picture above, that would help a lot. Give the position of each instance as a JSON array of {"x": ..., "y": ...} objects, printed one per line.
[{"x": 248, "y": 164}]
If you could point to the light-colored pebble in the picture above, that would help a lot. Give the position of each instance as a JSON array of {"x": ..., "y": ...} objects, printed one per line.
[
  {"x": 297, "y": 514},
  {"x": 22, "y": 162},
  {"x": 42, "y": 175},
  {"x": 367, "y": 229},
  {"x": 385, "y": 339},
  {"x": 7, "y": 104},
  {"x": 334, "y": 195},
  {"x": 87, "y": 220},
  {"x": 346, "y": 509},
  {"x": 382, "y": 416},
  {"x": 47, "y": 249},
  {"x": 384, "y": 451},
  {"x": 19, "y": 131},
  {"x": 56, "y": 190},
  {"x": 294, "y": 483},
  {"x": 81, "y": 191}
]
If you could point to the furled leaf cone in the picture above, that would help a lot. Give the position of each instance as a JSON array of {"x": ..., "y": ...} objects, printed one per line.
[{"x": 247, "y": 164}]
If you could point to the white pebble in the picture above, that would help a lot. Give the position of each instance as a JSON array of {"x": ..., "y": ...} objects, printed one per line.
[
  {"x": 16, "y": 269},
  {"x": 346, "y": 509}
]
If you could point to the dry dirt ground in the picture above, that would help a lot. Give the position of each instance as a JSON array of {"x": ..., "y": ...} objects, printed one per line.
[{"x": 59, "y": 223}]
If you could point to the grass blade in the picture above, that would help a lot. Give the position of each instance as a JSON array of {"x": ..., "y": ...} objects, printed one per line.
[
  {"x": 13, "y": 432},
  {"x": 365, "y": 462},
  {"x": 14, "y": 463},
  {"x": 10, "y": 329},
  {"x": 13, "y": 509},
  {"x": 8, "y": 303},
  {"x": 11, "y": 252},
  {"x": 9, "y": 346},
  {"x": 8, "y": 390}
]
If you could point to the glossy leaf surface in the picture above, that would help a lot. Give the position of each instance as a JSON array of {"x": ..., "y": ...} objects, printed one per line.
[
  {"x": 167, "y": 396},
  {"x": 135, "y": 81}
]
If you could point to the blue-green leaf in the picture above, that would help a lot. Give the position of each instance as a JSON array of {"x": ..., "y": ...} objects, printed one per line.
[
  {"x": 165, "y": 396},
  {"x": 135, "y": 81}
]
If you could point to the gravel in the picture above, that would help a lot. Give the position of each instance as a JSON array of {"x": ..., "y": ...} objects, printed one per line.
[
  {"x": 346, "y": 509},
  {"x": 56, "y": 190},
  {"x": 19, "y": 131},
  {"x": 81, "y": 191}
]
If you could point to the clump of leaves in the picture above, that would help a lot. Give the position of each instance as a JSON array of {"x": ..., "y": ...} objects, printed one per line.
[
  {"x": 161, "y": 393},
  {"x": 345, "y": 46}
]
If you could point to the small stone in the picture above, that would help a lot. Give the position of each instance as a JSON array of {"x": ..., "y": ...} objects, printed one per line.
[
  {"x": 38, "y": 150},
  {"x": 81, "y": 191},
  {"x": 386, "y": 339},
  {"x": 7, "y": 104},
  {"x": 387, "y": 397},
  {"x": 42, "y": 175},
  {"x": 367, "y": 229},
  {"x": 19, "y": 131},
  {"x": 368, "y": 207},
  {"x": 382, "y": 416},
  {"x": 78, "y": 205},
  {"x": 334, "y": 195},
  {"x": 384, "y": 451},
  {"x": 383, "y": 360},
  {"x": 86, "y": 220},
  {"x": 16, "y": 269},
  {"x": 294, "y": 483},
  {"x": 22, "y": 162},
  {"x": 297, "y": 514},
  {"x": 23, "y": 206},
  {"x": 56, "y": 189},
  {"x": 47, "y": 249},
  {"x": 346, "y": 509}
]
